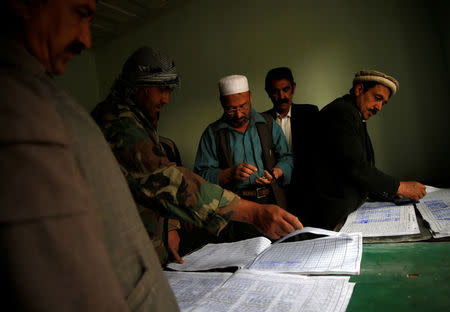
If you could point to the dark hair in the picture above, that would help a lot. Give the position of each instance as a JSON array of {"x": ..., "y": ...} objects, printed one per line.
[
  {"x": 277, "y": 74},
  {"x": 9, "y": 21},
  {"x": 366, "y": 86}
]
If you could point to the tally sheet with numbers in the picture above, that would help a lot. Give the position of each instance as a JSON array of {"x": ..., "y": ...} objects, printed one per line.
[
  {"x": 248, "y": 290},
  {"x": 435, "y": 209},
  {"x": 378, "y": 219},
  {"x": 335, "y": 253}
]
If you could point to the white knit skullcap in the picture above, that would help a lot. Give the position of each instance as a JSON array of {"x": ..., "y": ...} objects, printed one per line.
[
  {"x": 233, "y": 84},
  {"x": 379, "y": 77}
]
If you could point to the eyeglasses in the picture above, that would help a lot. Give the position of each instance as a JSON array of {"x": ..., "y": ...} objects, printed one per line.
[{"x": 233, "y": 110}]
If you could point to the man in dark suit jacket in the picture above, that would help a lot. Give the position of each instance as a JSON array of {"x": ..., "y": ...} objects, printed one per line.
[
  {"x": 346, "y": 172},
  {"x": 298, "y": 122}
]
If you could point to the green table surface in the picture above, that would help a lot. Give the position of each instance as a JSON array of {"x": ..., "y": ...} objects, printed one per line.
[{"x": 403, "y": 277}]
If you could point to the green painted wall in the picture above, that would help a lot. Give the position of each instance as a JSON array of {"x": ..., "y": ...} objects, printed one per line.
[
  {"x": 324, "y": 43},
  {"x": 80, "y": 79},
  {"x": 443, "y": 18}
]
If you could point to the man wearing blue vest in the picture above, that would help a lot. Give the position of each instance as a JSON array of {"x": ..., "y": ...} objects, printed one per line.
[{"x": 244, "y": 151}]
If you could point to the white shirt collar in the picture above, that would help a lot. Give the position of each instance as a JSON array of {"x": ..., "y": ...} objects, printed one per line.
[
  {"x": 288, "y": 114},
  {"x": 360, "y": 115}
]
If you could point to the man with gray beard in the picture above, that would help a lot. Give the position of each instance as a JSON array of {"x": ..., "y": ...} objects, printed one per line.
[{"x": 244, "y": 151}]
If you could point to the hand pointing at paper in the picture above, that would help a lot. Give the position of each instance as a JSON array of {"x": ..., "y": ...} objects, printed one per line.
[{"x": 270, "y": 220}]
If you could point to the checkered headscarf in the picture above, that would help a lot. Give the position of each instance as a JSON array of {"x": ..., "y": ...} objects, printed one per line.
[
  {"x": 145, "y": 67},
  {"x": 148, "y": 66}
]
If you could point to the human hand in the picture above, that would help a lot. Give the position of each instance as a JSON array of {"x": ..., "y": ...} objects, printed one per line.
[
  {"x": 268, "y": 177},
  {"x": 411, "y": 189},
  {"x": 243, "y": 171},
  {"x": 275, "y": 222},
  {"x": 270, "y": 220},
  {"x": 173, "y": 242}
]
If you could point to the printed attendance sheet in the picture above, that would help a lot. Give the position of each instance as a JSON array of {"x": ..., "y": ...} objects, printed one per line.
[
  {"x": 256, "y": 291},
  {"x": 435, "y": 209},
  {"x": 337, "y": 253},
  {"x": 376, "y": 219}
]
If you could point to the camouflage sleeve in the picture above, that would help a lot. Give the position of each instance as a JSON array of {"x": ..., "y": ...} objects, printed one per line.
[
  {"x": 159, "y": 184},
  {"x": 173, "y": 224}
]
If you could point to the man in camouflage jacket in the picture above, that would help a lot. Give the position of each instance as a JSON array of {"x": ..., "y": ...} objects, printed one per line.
[{"x": 128, "y": 119}]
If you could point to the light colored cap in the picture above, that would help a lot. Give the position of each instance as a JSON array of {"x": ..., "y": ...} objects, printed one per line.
[
  {"x": 379, "y": 77},
  {"x": 233, "y": 84}
]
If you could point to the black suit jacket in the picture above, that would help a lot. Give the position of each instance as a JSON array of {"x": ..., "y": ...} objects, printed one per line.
[
  {"x": 304, "y": 133},
  {"x": 346, "y": 172}
]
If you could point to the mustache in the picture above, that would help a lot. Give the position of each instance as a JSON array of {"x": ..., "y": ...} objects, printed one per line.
[
  {"x": 374, "y": 111},
  {"x": 236, "y": 122},
  {"x": 76, "y": 47},
  {"x": 282, "y": 101}
]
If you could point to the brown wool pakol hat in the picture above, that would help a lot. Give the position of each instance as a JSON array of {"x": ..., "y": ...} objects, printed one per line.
[{"x": 379, "y": 77}]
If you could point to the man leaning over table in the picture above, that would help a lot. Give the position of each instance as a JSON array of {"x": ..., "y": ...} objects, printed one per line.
[{"x": 346, "y": 174}]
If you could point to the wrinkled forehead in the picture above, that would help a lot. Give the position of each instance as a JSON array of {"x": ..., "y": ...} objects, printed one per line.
[
  {"x": 382, "y": 90},
  {"x": 55, "y": 6},
  {"x": 236, "y": 99},
  {"x": 89, "y": 5},
  {"x": 281, "y": 83}
]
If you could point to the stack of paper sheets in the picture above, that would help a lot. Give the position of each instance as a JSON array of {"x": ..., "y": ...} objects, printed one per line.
[
  {"x": 435, "y": 209},
  {"x": 381, "y": 219},
  {"x": 336, "y": 253},
  {"x": 248, "y": 290},
  {"x": 259, "y": 285}
]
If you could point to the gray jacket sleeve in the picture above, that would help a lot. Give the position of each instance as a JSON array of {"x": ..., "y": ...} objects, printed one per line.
[{"x": 52, "y": 256}]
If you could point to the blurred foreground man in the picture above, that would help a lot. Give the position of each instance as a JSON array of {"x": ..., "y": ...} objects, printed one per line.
[
  {"x": 71, "y": 237},
  {"x": 128, "y": 118},
  {"x": 65, "y": 245},
  {"x": 347, "y": 175}
]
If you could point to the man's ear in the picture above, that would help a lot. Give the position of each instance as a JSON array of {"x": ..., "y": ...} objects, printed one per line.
[
  {"x": 293, "y": 88},
  {"x": 250, "y": 96},
  {"x": 359, "y": 89},
  {"x": 141, "y": 94}
]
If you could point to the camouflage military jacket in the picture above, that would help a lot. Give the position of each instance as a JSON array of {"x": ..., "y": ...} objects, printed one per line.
[{"x": 160, "y": 188}]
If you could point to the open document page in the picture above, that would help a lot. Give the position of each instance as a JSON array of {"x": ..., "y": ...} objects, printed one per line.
[
  {"x": 336, "y": 253},
  {"x": 255, "y": 291},
  {"x": 190, "y": 287},
  {"x": 225, "y": 255},
  {"x": 435, "y": 209},
  {"x": 376, "y": 219}
]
